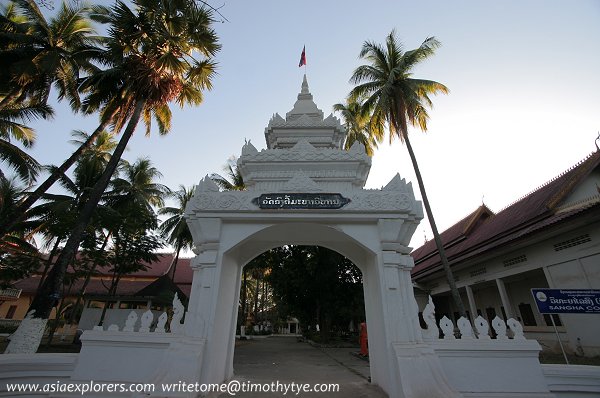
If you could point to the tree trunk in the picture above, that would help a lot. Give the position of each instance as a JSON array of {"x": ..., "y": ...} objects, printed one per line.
[
  {"x": 88, "y": 277},
  {"x": 256, "y": 298},
  {"x": 59, "y": 311},
  {"x": 111, "y": 292},
  {"x": 263, "y": 299},
  {"x": 174, "y": 262},
  {"x": 48, "y": 264},
  {"x": 19, "y": 214},
  {"x": 44, "y": 301},
  {"x": 436, "y": 236},
  {"x": 103, "y": 314},
  {"x": 244, "y": 298}
]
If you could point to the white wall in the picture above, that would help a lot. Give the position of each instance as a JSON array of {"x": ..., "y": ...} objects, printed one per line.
[
  {"x": 579, "y": 273},
  {"x": 576, "y": 267},
  {"x": 91, "y": 316}
]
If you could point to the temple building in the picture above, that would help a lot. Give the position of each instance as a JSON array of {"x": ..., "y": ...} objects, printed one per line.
[
  {"x": 149, "y": 288},
  {"x": 549, "y": 238}
]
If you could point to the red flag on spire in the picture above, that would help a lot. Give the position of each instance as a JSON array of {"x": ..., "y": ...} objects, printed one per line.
[{"x": 303, "y": 57}]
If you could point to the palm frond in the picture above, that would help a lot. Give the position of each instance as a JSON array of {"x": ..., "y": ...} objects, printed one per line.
[{"x": 26, "y": 167}]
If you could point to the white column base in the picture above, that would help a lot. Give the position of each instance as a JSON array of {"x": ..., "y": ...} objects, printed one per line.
[
  {"x": 182, "y": 363},
  {"x": 420, "y": 372}
]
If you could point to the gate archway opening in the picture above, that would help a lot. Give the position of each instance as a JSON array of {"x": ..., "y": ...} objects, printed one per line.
[
  {"x": 315, "y": 284},
  {"x": 320, "y": 288},
  {"x": 299, "y": 234}
]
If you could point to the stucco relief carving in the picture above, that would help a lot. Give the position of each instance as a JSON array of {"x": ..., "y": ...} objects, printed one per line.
[
  {"x": 466, "y": 330},
  {"x": 249, "y": 149},
  {"x": 483, "y": 328},
  {"x": 500, "y": 328},
  {"x": 516, "y": 328},
  {"x": 360, "y": 201},
  {"x": 302, "y": 146},
  {"x": 147, "y": 318},
  {"x": 220, "y": 201},
  {"x": 447, "y": 328},
  {"x": 162, "y": 321},
  {"x": 206, "y": 185},
  {"x": 287, "y": 174},
  {"x": 357, "y": 147},
  {"x": 178, "y": 311},
  {"x": 305, "y": 121},
  {"x": 315, "y": 154},
  {"x": 301, "y": 182},
  {"x": 379, "y": 201},
  {"x": 130, "y": 322},
  {"x": 432, "y": 331}
]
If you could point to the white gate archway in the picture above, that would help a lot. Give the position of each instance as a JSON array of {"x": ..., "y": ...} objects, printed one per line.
[{"x": 305, "y": 189}]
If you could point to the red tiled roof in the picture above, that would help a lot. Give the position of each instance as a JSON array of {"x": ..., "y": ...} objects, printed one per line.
[
  {"x": 155, "y": 269},
  {"x": 455, "y": 233},
  {"x": 530, "y": 213},
  {"x": 95, "y": 286},
  {"x": 129, "y": 284}
]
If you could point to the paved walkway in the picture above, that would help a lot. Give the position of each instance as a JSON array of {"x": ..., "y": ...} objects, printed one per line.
[{"x": 285, "y": 360}]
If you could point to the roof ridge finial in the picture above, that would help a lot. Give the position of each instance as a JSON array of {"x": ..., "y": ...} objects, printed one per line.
[{"x": 304, "y": 89}]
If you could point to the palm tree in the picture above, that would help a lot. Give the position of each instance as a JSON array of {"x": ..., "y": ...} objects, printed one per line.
[
  {"x": 17, "y": 255},
  {"x": 357, "y": 120},
  {"x": 175, "y": 229},
  {"x": 59, "y": 212},
  {"x": 396, "y": 99},
  {"x": 36, "y": 54},
  {"x": 135, "y": 187},
  {"x": 11, "y": 128},
  {"x": 150, "y": 62},
  {"x": 88, "y": 170},
  {"x": 41, "y": 53},
  {"x": 233, "y": 180},
  {"x": 133, "y": 197}
]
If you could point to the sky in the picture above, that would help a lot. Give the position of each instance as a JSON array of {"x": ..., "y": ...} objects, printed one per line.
[{"x": 524, "y": 102}]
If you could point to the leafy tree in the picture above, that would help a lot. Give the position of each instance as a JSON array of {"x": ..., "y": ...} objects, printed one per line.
[
  {"x": 396, "y": 99},
  {"x": 149, "y": 58},
  {"x": 175, "y": 229},
  {"x": 18, "y": 257},
  {"x": 133, "y": 249},
  {"x": 36, "y": 54},
  {"x": 134, "y": 188},
  {"x": 254, "y": 286},
  {"x": 232, "y": 180},
  {"x": 134, "y": 194},
  {"x": 39, "y": 53},
  {"x": 357, "y": 120},
  {"x": 59, "y": 211},
  {"x": 12, "y": 128},
  {"x": 318, "y": 286}
]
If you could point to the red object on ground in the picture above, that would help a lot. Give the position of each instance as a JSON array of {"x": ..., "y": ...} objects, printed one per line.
[{"x": 364, "y": 340}]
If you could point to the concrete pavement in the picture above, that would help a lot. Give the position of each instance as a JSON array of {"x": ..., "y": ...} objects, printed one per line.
[{"x": 286, "y": 360}]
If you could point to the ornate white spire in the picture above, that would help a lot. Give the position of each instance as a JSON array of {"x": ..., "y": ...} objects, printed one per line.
[
  {"x": 304, "y": 122},
  {"x": 305, "y": 141},
  {"x": 305, "y": 105},
  {"x": 304, "y": 90}
]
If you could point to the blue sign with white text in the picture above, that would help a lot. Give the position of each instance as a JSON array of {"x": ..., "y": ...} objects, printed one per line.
[{"x": 567, "y": 301}]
